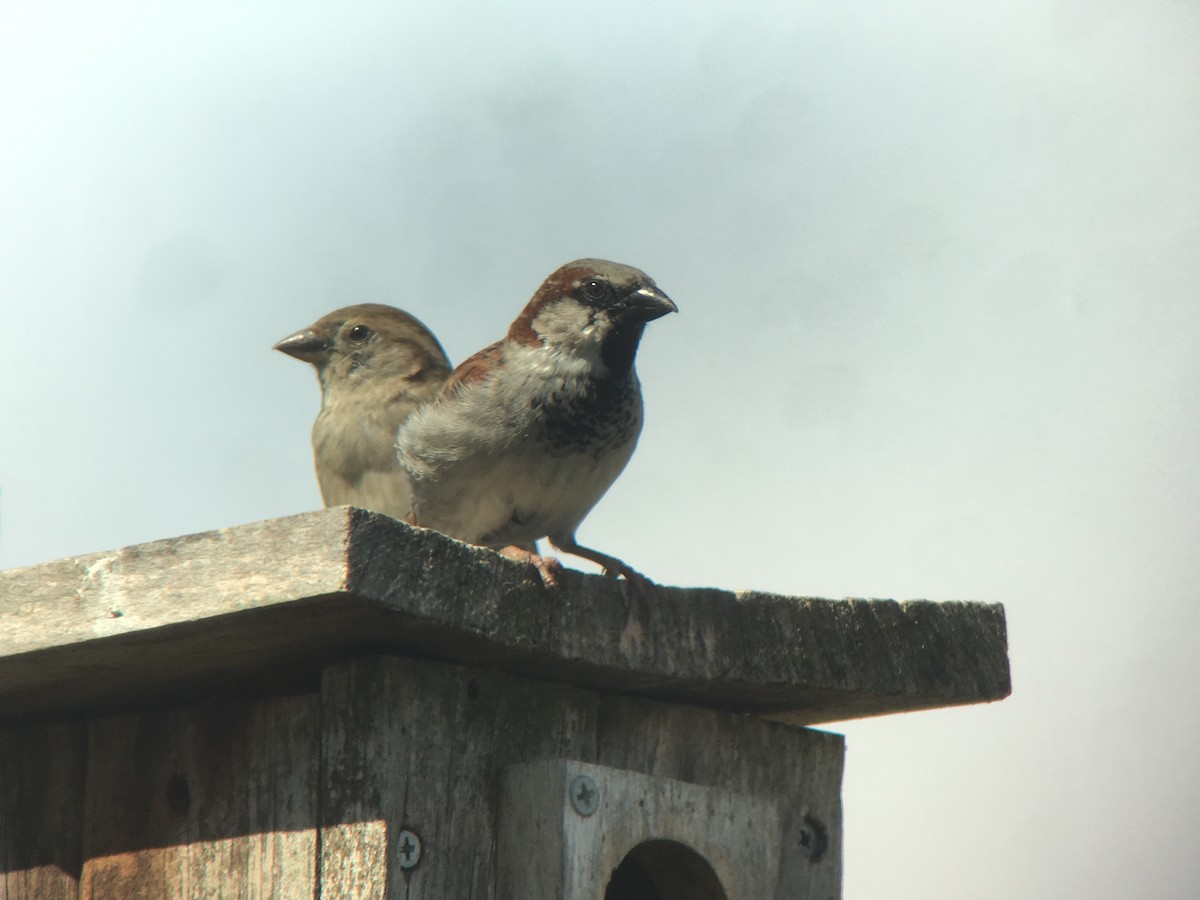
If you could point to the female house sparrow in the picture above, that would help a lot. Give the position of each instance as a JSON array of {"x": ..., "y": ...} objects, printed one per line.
[
  {"x": 529, "y": 433},
  {"x": 376, "y": 364}
]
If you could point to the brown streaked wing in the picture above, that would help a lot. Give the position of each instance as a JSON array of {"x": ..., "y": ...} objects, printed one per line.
[{"x": 475, "y": 368}]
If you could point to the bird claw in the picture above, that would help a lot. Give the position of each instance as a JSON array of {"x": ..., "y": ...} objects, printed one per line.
[
  {"x": 612, "y": 567},
  {"x": 548, "y": 566},
  {"x": 639, "y": 584},
  {"x": 621, "y": 570}
]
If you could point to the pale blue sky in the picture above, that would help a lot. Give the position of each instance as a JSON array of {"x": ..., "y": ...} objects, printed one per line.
[{"x": 937, "y": 269}]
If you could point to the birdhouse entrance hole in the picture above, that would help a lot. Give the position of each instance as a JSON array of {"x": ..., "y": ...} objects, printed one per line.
[{"x": 664, "y": 870}]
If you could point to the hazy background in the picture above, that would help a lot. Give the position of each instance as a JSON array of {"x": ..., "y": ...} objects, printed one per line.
[{"x": 937, "y": 265}]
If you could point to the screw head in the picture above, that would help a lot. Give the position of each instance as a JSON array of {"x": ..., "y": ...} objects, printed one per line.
[
  {"x": 584, "y": 795},
  {"x": 408, "y": 848}
]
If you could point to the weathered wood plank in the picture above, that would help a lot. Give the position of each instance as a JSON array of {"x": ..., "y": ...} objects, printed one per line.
[
  {"x": 423, "y": 746},
  {"x": 419, "y": 745},
  {"x": 41, "y": 811},
  {"x": 549, "y": 850},
  {"x": 747, "y": 755},
  {"x": 209, "y": 610},
  {"x": 173, "y": 619},
  {"x": 214, "y": 801},
  {"x": 171, "y": 582}
]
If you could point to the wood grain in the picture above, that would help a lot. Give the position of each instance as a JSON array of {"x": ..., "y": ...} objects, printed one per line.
[
  {"x": 41, "y": 811},
  {"x": 277, "y": 599},
  {"x": 364, "y": 678},
  {"x": 217, "y": 800},
  {"x": 419, "y": 745},
  {"x": 707, "y": 842},
  {"x": 424, "y": 746}
]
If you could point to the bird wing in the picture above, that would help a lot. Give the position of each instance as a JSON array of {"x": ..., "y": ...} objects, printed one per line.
[{"x": 475, "y": 368}]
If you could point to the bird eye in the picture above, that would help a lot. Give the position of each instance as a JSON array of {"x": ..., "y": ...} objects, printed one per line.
[
  {"x": 360, "y": 333},
  {"x": 595, "y": 289}
]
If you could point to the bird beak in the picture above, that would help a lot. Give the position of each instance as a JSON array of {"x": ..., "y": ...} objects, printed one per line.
[
  {"x": 304, "y": 345},
  {"x": 648, "y": 303}
]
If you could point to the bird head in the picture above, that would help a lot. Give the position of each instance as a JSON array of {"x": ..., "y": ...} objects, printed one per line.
[
  {"x": 593, "y": 308},
  {"x": 354, "y": 344}
]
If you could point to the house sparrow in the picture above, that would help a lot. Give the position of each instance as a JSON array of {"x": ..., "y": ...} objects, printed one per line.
[
  {"x": 529, "y": 433},
  {"x": 376, "y": 364}
]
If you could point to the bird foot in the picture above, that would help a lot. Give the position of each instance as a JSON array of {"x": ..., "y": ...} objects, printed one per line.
[
  {"x": 548, "y": 566},
  {"x": 621, "y": 570},
  {"x": 613, "y": 567}
]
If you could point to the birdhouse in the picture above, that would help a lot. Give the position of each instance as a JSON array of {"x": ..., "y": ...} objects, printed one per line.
[{"x": 338, "y": 705}]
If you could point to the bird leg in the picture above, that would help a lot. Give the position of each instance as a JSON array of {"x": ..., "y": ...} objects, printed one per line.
[
  {"x": 612, "y": 566},
  {"x": 548, "y": 567}
]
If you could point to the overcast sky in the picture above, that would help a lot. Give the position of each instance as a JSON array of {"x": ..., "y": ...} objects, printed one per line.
[{"x": 937, "y": 266}]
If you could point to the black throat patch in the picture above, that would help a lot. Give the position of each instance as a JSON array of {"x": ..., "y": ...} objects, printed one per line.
[
  {"x": 590, "y": 415},
  {"x": 620, "y": 347}
]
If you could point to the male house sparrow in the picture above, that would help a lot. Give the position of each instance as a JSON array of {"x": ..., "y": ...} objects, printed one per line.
[
  {"x": 529, "y": 433},
  {"x": 376, "y": 364}
]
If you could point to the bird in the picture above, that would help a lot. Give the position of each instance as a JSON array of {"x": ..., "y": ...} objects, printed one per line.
[
  {"x": 376, "y": 364},
  {"x": 528, "y": 434}
]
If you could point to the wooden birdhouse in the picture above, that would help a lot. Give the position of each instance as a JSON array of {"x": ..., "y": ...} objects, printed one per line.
[{"x": 336, "y": 705}]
